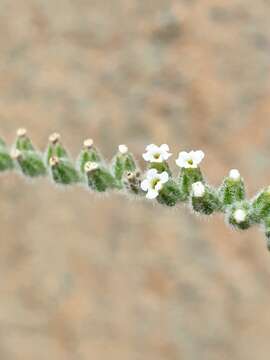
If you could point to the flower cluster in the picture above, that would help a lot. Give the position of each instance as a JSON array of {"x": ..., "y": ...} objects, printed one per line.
[{"x": 160, "y": 154}]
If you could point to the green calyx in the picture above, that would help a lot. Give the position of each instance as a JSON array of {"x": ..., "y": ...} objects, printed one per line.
[
  {"x": 170, "y": 194},
  {"x": 63, "y": 172},
  {"x": 160, "y": 167},
  {"x": 208, "y": 203},
  {"x": 31, "y": 164},
  {"x": 6, "y": 162},
  {"x": 23, "y": 142},
  {"x": 55, "y": 149},
  {"x": 26, "y": 158},
  {"x": 89, "y": 153},
  {"x": 232, "y": 191},
  {"x": 99, "y": 178},
  {"x": 261, "y": 205},
  {"x": 186, "y": 179},
  {"x": 122, "y": 163},
  {"x": 239, "y": 215}
]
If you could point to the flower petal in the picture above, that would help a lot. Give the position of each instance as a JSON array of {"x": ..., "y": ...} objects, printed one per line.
[
  {"x": 182, "y": 159},
  {"x": 198, "y": 156},
  {"x": 151, "y": 174},
  {"x": 151, "y": 147},
  {"x": 145, "y": 185},
  {"x": 165, "y": 147},
  {"x": 152, "y": 194},
  {"x": 146, "y": 156}
]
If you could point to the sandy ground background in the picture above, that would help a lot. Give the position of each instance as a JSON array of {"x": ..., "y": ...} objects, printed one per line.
[{"x": 101, "y": 278}]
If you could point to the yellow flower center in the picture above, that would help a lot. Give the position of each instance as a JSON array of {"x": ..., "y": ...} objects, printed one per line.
[{"x": 154, "y": 182}]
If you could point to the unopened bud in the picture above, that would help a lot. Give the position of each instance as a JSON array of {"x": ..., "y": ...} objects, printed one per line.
[
  {"x": 21, "y": 132},
  {"x": 88, "y": 143},
  {"x": 240, "y": 215},
  {"x": 234, "y": 175},
  {"x": 198, "y": 189},
  {"x": 54, "y": 138},
  {"x": 54, "y": 160},
  {"x": 90, "y": 166},
  {"x": 123, "y": 149},
  {"x": 130, "y": 175}
]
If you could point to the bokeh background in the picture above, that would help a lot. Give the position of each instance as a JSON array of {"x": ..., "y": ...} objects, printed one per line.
[{"x": 87, "y": 277}]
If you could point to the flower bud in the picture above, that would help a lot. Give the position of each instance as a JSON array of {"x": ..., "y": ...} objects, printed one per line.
[
  {"x": 21, "y": 132},
  {"x": 62, "y": 171},
  {"x": 198, "y": 189},
  {"x": 98, "y": 177},
  {"x": 89, "y": 153},
  {"x": 239, "y": 215},
  {"x": 204, "y": 199},
  {"x": 188, "y": 176},
  {"x": 23, "y": 142},
  {"x": 123, "y": 162},
  {"x": 234, "y": 175},
  {"x": 55, "y": 148},
  {"x": 170, "y": 193},
  {"x": 232, "y": 189},
  {"x": 54, "y": 138},
  {"x": 29, "y": 162}
]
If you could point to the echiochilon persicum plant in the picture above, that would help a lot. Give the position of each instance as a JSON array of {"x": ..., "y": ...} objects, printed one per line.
[{"x": 157, "y": 183}]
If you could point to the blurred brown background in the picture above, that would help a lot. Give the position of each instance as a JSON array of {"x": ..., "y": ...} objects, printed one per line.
[{"x": 85, "y": 277}]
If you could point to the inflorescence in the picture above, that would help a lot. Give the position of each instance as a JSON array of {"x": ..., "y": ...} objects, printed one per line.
[{"x": 156, "y": 183}]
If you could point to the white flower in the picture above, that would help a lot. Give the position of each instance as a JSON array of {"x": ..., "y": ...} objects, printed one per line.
[
  {"x": 123, "y": 149},
  {"x": 234, "y": 175},
  {"x": 198, "y": 189},
  {"x": 157, "y": 154},
  {"x": 189, "y": 159},
  {"x": 154, "y": 182},
  {"x": 240, "y": 215}
]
